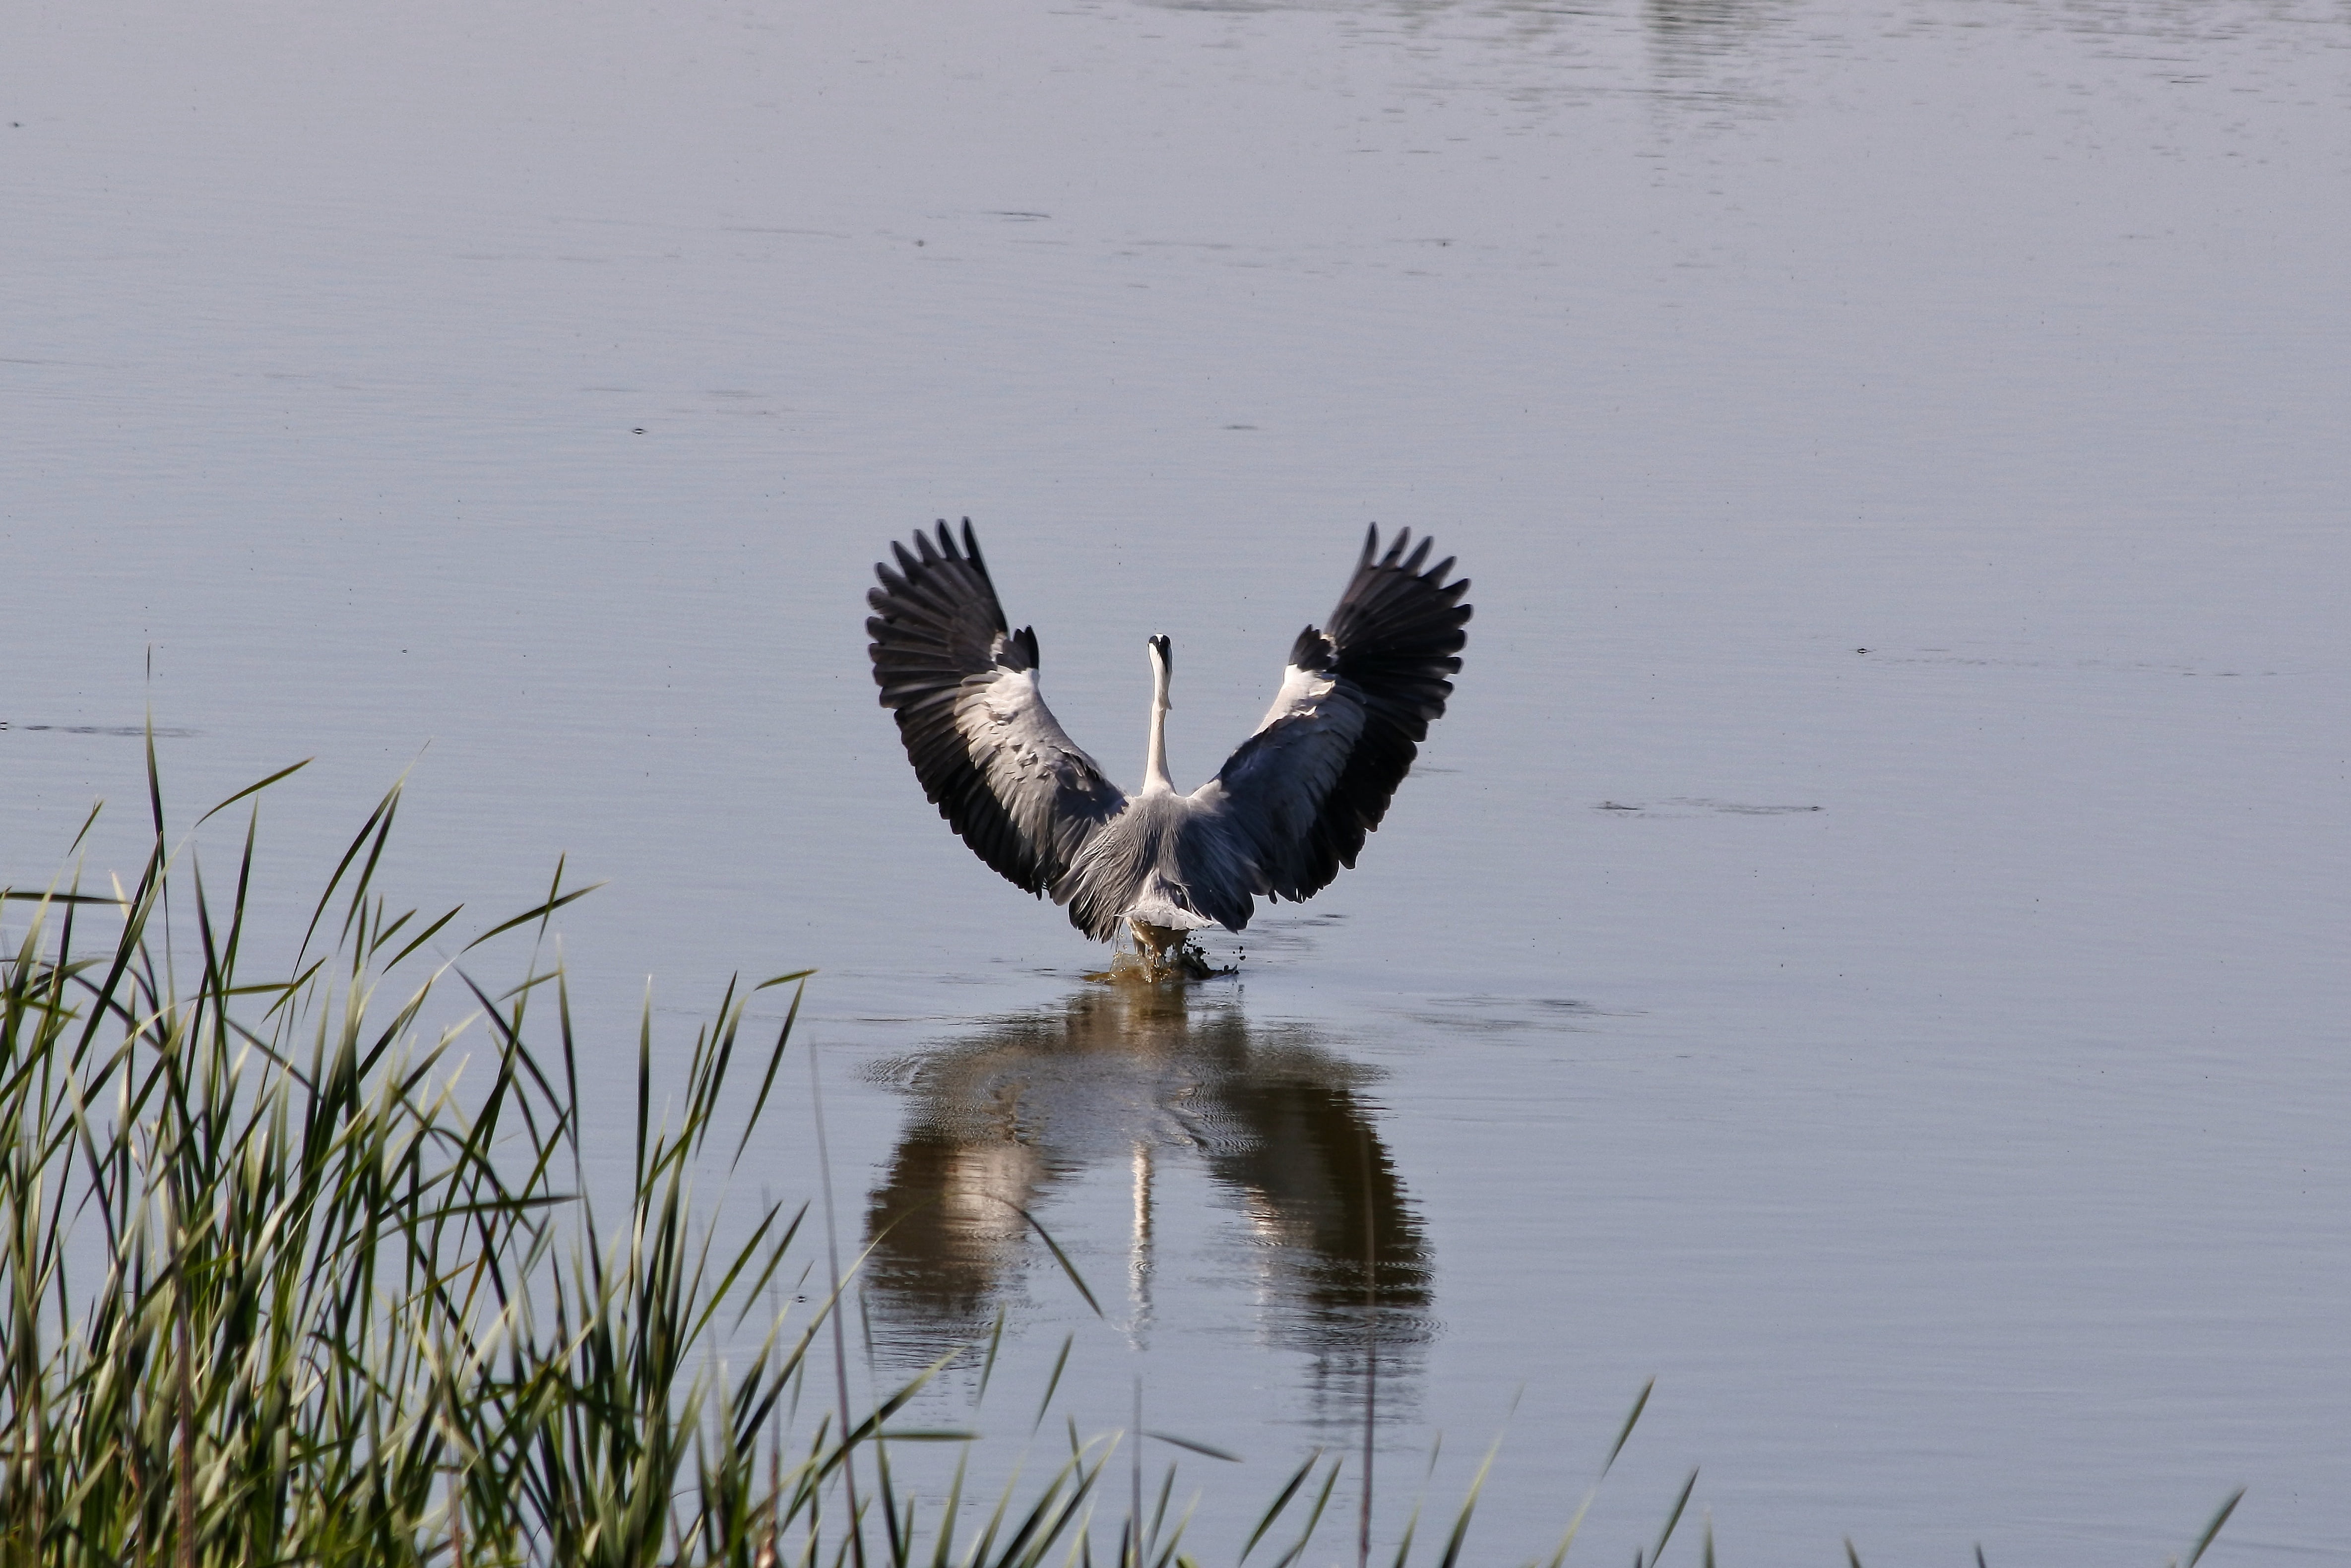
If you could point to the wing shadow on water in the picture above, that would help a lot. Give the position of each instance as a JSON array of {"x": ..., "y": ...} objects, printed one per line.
[{"x": 1132, "y": 1080}]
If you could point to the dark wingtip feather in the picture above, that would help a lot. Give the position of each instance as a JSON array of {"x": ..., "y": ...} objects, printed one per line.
[{"x": 1311, "y": 651}]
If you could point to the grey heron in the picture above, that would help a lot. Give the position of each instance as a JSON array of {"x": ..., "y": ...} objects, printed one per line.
[{"x": 1289, "y": 807}]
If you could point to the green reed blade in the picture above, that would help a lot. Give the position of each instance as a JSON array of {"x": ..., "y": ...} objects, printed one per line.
[{"x": 2212, "y": 1530}]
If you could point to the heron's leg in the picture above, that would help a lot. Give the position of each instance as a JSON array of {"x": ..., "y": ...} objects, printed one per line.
[{"x": 1154, "y": 943}]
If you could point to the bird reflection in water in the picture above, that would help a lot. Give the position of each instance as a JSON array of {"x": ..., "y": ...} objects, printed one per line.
[{"x": 1127, "y": 1076}]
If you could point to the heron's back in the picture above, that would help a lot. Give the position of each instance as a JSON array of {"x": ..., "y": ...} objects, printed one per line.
[{"x": 1164, "y": 859}]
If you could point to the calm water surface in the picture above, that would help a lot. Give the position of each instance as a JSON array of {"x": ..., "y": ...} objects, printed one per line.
[{"x": 1867, "y": 946}]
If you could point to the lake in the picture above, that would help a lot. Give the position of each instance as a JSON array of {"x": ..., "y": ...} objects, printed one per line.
[{"x": 1865, "y": 947}]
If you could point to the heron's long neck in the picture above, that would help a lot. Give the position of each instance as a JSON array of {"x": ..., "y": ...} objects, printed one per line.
[{"x": 1155, "y": 764}]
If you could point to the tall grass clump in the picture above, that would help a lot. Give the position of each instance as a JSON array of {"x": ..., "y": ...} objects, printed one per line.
[{"x": 293, "y": 1274}]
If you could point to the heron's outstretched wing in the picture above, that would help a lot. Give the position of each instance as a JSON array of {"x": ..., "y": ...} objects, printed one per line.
[
  {"x": 1356, "y": 701},
  {"x": 989, "y": 753}
]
